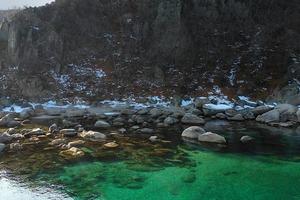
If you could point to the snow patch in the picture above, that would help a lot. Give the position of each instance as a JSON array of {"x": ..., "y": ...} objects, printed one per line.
[{"x": 218, "y": 106}]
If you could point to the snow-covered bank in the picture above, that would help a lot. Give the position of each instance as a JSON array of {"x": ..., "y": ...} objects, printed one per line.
[{"x": 211, "y": 102}]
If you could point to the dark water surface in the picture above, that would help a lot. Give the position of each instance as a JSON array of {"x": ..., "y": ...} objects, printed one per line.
[{"x": 269, "y": 168}]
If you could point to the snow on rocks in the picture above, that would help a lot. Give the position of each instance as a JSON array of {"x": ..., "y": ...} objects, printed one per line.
[{"x": 212, "y": 109}]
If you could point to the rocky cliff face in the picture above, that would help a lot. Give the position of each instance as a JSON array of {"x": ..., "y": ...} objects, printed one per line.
[{"x": 96, "y": 48}]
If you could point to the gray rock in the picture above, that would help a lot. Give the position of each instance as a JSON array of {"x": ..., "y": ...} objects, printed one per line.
[
  {"x": 26, "y": 113},
  {"x": 298, "y": 115},
  {"x": 17, "y": 136},
  {"x": 54, "y": 111},
  {"x": 153, "y": 138},
  {"x": 246, "y": 139},
  {"x": 155, "y": 112},
  {"x": 211, "y": 138},
  {"x": 8, "y": 118},
  {"x": 13, "y": 124},
  {"x": 5, "y": 137},
  {"x": 76, "y": 143},
  {"x": 138, "y": 119},
  {"x": 143, "y": 111},
  {"x": 194, "y": 111},
  {"x": 36, "y": 131},
  {"x": 268, "y": 117},
  {"x": 189, "y": 118},
  {"x": 57, "y": 142},
  {"x": 68, "y": 132},
  {"x": 53, "y": 128},
  {"x": 261, "y": 110},
  {"x": 247, "y": 114},
  {"x": 146, "y": 131},
  {"x": 134, "y": 128},
  {"x": 231, "y": 112},
  {"x": 193, "y": 132},
  {"x": 199, "y": 102},
  {"x": 102, "y": 124},
  {"x": 2, "y": 147},
  {"x": 127, "y": 112},
  {"x": 11, "y": 131},
  {"x": 170, "y": 121},
  {"x": 15, "y": 146},
  {"x": 46, "y": 119},
  {"x": 287, "y": 112},
  {"x": 286, "y": 109},
  {"x": 237, "y": 117},
  {"x": 75, "y": 113},
  {"x": 122, "y": 130},
  {"x": 221, "y": 116}
]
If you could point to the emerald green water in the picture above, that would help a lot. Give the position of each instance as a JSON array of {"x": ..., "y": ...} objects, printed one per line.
[
  {"x": 175, "y": 171},
  {"x": 212, "y": 176}
]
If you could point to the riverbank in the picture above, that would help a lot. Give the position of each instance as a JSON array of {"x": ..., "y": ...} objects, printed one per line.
[{"x": 96, "y": 123}]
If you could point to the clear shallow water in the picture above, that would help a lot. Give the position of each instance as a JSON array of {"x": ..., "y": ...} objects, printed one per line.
[
  {"x": 213, "y": 176},
  {"x": 268, "y": 169}
]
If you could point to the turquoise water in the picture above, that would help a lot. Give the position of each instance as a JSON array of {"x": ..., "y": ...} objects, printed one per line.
[
  {"x": 211, "y": 176},
  {"x": 139, "y": 169}
]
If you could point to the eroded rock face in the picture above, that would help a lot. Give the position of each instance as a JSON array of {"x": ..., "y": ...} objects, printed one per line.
[{"x": 162, "y": 36}]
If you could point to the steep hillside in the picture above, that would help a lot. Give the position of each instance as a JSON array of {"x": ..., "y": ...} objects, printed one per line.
[{"x": 100, "y": 48}]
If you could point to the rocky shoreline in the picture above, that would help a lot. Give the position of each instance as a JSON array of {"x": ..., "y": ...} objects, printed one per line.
[{"x": 100, "y": 124}]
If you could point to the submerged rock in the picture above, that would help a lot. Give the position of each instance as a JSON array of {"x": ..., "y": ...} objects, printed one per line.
[
  {"x": 193, "y": 132},
  {"x": 111, "y": 145},
  {"x": 246, "y": 139},
  {"x": 72, "y": 153},
  {"x": 76, "y": 143},
  {"x": 57, "y": 142},
  {"x": 189, "y": 118},
  {"x": 146, "y": 131},
  {"x": 153, "y": 138},
  {"x": 298, "y": 115},
  {"x": 212, "y": 138},
  {"x": 68, "y": 132}
]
